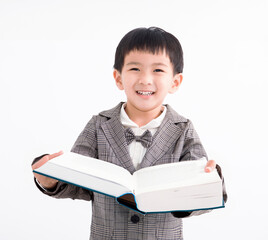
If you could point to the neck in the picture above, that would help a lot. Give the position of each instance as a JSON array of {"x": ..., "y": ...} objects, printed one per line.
[{"x": 141, "y": 118}]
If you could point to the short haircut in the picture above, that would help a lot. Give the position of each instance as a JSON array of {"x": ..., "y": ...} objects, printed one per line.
[{"x": 153, "y": 40}]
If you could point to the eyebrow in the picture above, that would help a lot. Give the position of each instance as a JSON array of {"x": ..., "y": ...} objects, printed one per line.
[
  {"x": 154, "y": 64},
  {"x": 160, "y": 64},
  {"x": 133, "y": 63}
]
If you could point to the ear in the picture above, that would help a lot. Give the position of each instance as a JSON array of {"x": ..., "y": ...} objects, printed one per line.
[
  {"x": 118, "y": 79},
  {"x": 177, "y": 80}
]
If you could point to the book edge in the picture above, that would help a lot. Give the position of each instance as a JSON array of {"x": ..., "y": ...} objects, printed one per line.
[
  {"x": 116, "y": 197},
  {"x": 191, "y": 210},
  {"x": 93, "y": 190}
]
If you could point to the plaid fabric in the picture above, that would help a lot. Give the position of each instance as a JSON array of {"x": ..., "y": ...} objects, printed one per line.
[
  {"x": 103, "y": 138},
  {"x": 145, "y": 139}
]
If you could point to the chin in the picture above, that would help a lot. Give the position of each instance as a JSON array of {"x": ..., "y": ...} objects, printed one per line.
[{"x": 150, "y": 108}]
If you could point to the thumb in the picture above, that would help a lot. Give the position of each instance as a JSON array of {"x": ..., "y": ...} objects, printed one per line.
[
  {"x": 46, "y": 158},
  {"x": 210, "y": 166}
]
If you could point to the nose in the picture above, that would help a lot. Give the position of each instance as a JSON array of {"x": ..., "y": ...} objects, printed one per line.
[{"x": 145, "y": 78}]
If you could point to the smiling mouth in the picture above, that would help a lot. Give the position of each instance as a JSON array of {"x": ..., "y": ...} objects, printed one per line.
[{"x": 145, "y": 93}]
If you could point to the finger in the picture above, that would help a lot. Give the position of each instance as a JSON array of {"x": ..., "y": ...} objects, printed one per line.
[
  {"x": 44, "y": 181},
  {"x": 39, "y": 163},
  {"x": 46, "y": 158},
  {"x": 39, "y": 177},
  {"x": 210, "y": 166},
  {"x": 55, "y": 155}
]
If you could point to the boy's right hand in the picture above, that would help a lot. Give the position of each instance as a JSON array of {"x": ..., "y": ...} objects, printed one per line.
[{"x": 46, "y": 182}]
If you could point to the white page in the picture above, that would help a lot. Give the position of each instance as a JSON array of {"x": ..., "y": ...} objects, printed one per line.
[
  {"x": 177, "y": 186},
  {"x": 185, "y": 199},
  {"x": 81, "y": 170},
  {"x": 173, "y": 175}
]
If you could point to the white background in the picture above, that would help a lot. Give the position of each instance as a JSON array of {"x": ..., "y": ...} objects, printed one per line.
[{"x": 56, "y": 61}]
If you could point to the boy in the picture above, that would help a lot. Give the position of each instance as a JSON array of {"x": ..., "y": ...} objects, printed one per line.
[{"x": 148, "y": 65}]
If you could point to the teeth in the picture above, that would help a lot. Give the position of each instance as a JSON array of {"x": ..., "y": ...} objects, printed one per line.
[{"x": 145, "y": 93}]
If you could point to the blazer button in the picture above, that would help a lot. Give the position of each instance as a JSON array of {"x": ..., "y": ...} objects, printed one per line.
[{"x": 135, "y": 218}]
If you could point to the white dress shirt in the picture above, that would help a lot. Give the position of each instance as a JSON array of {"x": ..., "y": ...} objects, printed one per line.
[{"x": 136, "y": 150}]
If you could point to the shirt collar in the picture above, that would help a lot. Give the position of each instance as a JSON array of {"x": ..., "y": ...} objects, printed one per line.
[{"x": 127, "y": 122}]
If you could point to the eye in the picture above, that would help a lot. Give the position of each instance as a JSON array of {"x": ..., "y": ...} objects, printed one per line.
[
  {"x": 158, "y": 70},
  {"x": 134, "y": 69}
]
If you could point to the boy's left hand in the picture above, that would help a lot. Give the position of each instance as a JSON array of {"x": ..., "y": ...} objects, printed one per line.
[{"x": 210, "y": 166}]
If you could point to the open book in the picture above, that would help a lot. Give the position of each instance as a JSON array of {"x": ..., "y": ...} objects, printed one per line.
[{"x": 181, "y": 186}]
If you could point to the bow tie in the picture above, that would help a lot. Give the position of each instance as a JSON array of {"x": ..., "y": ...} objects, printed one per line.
[{"x": 145, "y": 139}]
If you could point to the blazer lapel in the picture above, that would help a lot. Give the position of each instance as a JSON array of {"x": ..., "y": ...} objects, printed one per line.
[
  {"x": 114, "y": 133},
  {"x": 164, "y": 139}
]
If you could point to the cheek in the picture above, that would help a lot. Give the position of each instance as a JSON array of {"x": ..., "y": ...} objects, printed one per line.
[
  {"x": 129, "y": 83},
  {"x": 164, "y": 84},
  {"x": 129, "y": 90}
]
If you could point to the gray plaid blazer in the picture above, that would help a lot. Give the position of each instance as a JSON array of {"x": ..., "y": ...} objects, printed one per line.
[{"x": 103, "y": 138}]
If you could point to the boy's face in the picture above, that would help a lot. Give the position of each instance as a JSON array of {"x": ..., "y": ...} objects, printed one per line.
[{"x": 147, "y": 79}]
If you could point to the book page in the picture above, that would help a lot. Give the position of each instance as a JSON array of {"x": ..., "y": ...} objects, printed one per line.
[
  {"x": 173, "y": 175},
  {"x": 190, "y": 198},
  {"x": 182, "y": 186},
  {"x": 89, "y": 172}
]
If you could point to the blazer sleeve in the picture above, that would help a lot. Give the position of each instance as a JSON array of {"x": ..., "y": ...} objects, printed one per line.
[
  {"x": 192, "y": 149},
  {"x": 86, "y": 145}
]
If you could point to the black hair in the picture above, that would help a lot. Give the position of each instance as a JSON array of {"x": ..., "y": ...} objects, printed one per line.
[{"x": 153, "y": 40}]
